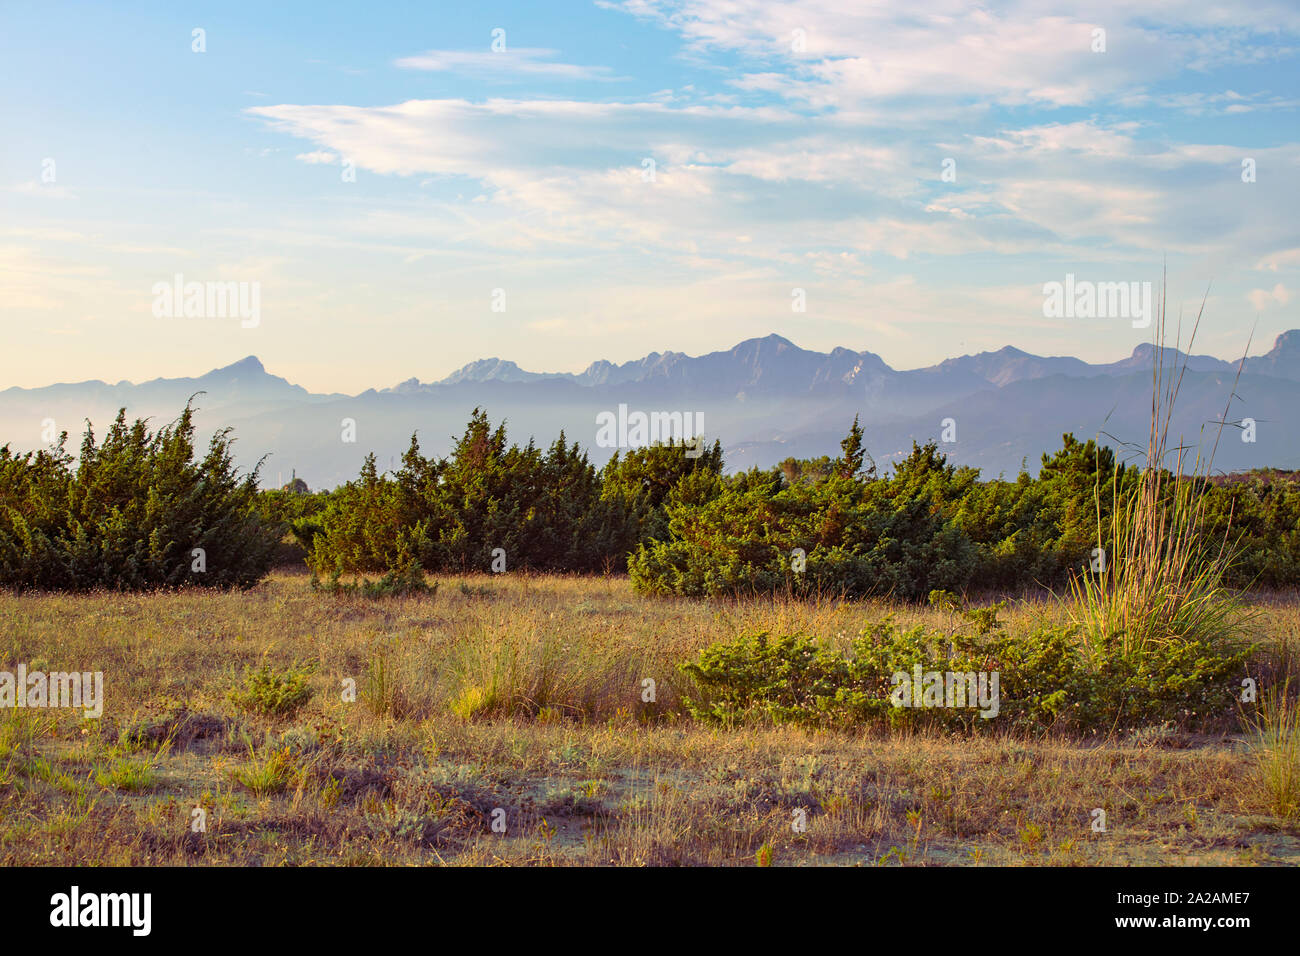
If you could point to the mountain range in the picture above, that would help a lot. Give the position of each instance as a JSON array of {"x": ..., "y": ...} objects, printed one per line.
[{"x": 765, "y": 399}]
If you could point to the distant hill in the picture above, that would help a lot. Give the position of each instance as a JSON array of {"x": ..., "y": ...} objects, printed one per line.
[{"x": 765, "y": 399}]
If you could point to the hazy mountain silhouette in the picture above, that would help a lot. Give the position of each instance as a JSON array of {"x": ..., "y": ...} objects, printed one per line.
[{"x": 766, "y": 399}]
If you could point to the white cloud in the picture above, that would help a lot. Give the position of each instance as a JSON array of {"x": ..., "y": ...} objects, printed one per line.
[
  {"x": 858, "y": 58},
  {"x": 43, "y": 190},
  {"x": 791, "y": 181},
  {"x": 318, "y": 156},
  {"x": 1285, "y": 259},
  {"x": 526, "y": 61},
  {"x": 1262, "y": 299}
]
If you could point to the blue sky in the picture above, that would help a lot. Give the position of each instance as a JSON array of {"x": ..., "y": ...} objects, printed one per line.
[{"x": 783, "y": 160}]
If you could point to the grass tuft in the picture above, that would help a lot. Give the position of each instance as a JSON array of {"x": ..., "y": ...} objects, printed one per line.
[{"x": 1277, "y": 747}]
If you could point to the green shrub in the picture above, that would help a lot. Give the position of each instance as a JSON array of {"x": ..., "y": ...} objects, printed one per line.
[
  {"x": 857, "y": 537},
  {"x": 136, "y": 511},
  {"x": 273, "y": 693},
  {"x": 406, "y": 581},
  {"x": 784, "y": 679},
  {"x": 1047, "y": 678},
  {"x": 547, "y": 511}
]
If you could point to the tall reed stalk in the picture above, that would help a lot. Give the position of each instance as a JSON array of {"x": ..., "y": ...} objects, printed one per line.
[{"x": 1164, "y": 574}]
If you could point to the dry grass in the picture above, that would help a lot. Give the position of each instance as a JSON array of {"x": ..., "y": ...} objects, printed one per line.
[
  {"x": 1277, "y": 743},
  {"x": 525, "y": 695}
]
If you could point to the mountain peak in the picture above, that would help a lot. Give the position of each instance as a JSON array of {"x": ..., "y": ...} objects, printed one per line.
[
  {"x": 1147, "y": 350},
  {"x": 248, "y": 365},
  {"x": 1287, "y": 342},
  {"x": 496, "y": 370},
  {"x": 771, "y": 339}
]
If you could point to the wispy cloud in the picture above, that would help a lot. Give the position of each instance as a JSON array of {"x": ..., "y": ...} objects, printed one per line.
[
  {"x": 318, "y": 157},
  {"x": 43, "y": 190},
  {"x": 526, "y": 61}
]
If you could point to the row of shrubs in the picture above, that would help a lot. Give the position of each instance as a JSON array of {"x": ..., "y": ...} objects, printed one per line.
[
  {"x": 489, "y": 503},
  {"x": 138, "y": 510},
  {"x": 680, "y": 526},
  {"x": 1046, "y": 679},
  {"x": 930, "y": 525}
]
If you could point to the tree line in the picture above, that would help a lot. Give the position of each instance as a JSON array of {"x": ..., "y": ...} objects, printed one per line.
[{"x": 141, "y": 509}]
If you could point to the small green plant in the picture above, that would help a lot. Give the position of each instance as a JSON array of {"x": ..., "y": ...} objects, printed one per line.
[
  {"x": 273, "y": 693},
  {"x": 473, "y": 702},
  {"x": 1031, "y": 835},
  {"x": 405, "y": 581},
  {"x": 549, "y": 715},
  {"x": 127, "y": 774},
  {"x": 764, "y": 855},
  {"x": 893, "y": 853},
  {"x": 266, "y": 773}
]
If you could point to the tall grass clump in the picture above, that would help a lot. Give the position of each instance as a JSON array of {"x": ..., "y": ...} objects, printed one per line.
[
  {"x": 1163, "y": 584},
  {"x": 528, "y": 670},
  {"x": 1277, "y": 746}
]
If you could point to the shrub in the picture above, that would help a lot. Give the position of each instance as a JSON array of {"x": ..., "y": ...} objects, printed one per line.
[
  {"x": 548, "y": 511},
  {"x": 680, "y": 527},
  {"x": 273, "y": 693},
  {"x": 1047, "y": 678},
  {"x": 858, "y": 537},
  {"x": 783, "y": 679},
  {"x": 131, "y": 513},
  {"x": 406, "y": 581}
]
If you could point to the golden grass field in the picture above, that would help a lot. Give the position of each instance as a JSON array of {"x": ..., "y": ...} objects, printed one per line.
[{"x": 412, "y": 771}]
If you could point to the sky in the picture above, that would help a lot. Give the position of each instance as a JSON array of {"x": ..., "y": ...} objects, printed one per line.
[{"x": 409, "y": 187}]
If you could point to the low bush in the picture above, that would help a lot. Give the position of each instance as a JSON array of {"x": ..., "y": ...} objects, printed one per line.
[
  {"x": 1045, "y": 679},
  {"x": 406, "y": 581},
  {"x": 273, "y": 693}
]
